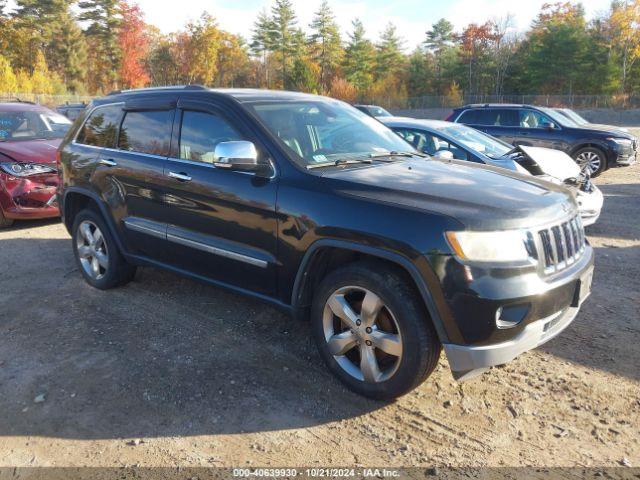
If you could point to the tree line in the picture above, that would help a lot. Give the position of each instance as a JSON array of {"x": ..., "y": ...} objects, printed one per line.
[{"x": 95, "y": 46}]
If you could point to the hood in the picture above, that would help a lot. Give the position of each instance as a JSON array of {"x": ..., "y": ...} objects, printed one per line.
[
  {"x": 607, "y": 129},
  {"x": 31, "y": 151},
  {"x": 554, "y": 163},
  {"x": 482, "y": 197}
]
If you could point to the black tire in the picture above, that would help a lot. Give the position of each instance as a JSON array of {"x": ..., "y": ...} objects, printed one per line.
[
  {"x": 601, "y": 160},
  {"x": 4, "y": 221},
  {"x": 117, "y": 272},
  {"x": 420, "y": 344}
]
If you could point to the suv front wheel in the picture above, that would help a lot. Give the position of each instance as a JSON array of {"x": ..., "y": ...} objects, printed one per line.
[
  {"x": 591, "y": 159},
  {"x": 97, "y": 255},
  {"x": 372, "y": 331}
]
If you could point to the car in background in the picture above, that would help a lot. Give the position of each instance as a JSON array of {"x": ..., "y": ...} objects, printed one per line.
[
  {"x": 71, "y": 110},
  {"x": 373, "y": 111},
  {"x": 580, "y": 120},
  {"x": 593, "y": 147},
  {"x": 456, "y": 141},
  {"x": 29, "y": 138}
]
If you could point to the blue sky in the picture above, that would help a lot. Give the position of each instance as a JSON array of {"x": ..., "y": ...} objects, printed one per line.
[{"x": 412, "y": 17}]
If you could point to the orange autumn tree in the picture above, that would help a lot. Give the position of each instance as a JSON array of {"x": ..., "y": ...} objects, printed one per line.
[{"x": 134, "y": 44}]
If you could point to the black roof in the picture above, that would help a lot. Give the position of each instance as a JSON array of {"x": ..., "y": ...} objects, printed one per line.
[
  {"x": 240, "y": 94},
  {"x": 499, "y": 105}
]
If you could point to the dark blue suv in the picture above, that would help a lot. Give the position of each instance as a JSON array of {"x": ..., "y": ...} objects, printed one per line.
[{"x": 596, "y": 147}]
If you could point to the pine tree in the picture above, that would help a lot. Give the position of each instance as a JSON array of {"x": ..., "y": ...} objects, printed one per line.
[
  {"x": 440, "y": 40},
  {"x": 262, "y": 43},
  {"x": 283, "y": 35},
  {"x": 68, "y": 54},
  {"x": 389, "y": 57},
  {"x": 359, "y": 56},
  {"x": 104, "y": 23},
  {"x": 326, "y": 44}
]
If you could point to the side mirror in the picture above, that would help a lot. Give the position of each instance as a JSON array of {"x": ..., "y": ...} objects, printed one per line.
[
  {"x": 443, "y": 155},
  {"x": 550, "y": 126},
  {"x": 240, "y": 156}
]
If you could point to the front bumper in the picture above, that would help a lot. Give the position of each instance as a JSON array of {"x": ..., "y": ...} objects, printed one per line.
[
  {"x": 468, "y": 362},
  {"x": 29, "y": 198},
  {"x": 550, "y": 305},
  {"x": 626, "y": 156},
  {"x": 590, "y": 205}
]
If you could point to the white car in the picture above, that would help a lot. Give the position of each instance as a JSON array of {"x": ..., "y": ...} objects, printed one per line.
[{"x": 456, "y": 141}]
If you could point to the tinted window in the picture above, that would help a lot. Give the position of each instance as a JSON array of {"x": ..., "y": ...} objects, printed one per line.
[
  {"x": 101, "y": 127},
  {"x": 200, "y": 134},
  {"x": 468, "y": 116},
  {"x": 146, "y": 132},
  {"x": 506, "y": 118}
]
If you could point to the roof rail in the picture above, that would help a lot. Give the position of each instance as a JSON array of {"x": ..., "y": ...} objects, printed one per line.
[
  {"x": 18, "y": 100},
  {"x": 168, "y": 87}
]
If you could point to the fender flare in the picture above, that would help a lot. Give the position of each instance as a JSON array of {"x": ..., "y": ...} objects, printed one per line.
[
  {"x": 393, "y": 257},
  {"x": 104, "y": 211}
]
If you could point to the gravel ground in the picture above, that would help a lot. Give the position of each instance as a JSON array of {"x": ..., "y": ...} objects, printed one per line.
[{"x": 166, "y": 371}]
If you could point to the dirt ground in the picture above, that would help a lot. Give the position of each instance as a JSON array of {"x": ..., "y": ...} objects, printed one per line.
[{"x": 167, "y": 371}]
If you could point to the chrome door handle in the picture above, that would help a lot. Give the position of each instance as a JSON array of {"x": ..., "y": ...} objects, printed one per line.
[
  {"x": 107, "y": 162},
  {"x": 183, "y": 177}
]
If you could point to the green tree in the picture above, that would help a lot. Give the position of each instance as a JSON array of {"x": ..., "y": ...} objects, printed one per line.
[
  {"x": 325, "y": 44},
  {"x": 440, "y": 43},
  {"x": 262, "y": 43},
  {"x": 359, "y": 58},
  {"x": 68, "y": 53},
  {"x": 420, "y": 73},
  {"x": 303, "y": 75},
  {"x": 283, "y": 35},
  {"x": 203, "y": 47},
  {"x": 103, "y": 18},
  {"x": 389, "y": 59}
]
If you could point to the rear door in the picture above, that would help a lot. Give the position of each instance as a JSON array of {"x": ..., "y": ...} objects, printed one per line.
[
  {"x": 133, "y": 174},
  {"x": 221, "y": 223},
  {"x": 498, "y": 122}
]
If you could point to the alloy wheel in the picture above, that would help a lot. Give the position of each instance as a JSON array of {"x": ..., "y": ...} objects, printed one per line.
[
  {"x": 362, "y": 334},
  {"x": 92, "y": 250},
  {"x": 591, "y": 160}
]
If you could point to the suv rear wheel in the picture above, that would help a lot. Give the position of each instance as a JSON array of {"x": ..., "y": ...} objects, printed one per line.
[
  {"x": 372, "y": 331},
  {"x": 97, "y": 255},
  {"x": 591, "y": 158}
]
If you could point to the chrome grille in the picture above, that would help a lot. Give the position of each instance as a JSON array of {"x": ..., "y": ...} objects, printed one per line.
[{"x": 561, "y": 245}]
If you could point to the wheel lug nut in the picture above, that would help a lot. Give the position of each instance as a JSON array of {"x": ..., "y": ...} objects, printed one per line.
[
  {"x": 368, "y": 342},
  {"x": 369, "y": 330},
  {"x": 358, "y": 322}
]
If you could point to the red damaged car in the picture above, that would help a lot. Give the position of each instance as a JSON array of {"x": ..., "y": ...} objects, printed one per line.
[{"x": 29, "y": 138}]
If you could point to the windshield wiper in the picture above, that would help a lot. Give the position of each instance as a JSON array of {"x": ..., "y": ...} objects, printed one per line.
[
  {"x": 340, "y": 161},
  {"x": 397, "y": 154}
]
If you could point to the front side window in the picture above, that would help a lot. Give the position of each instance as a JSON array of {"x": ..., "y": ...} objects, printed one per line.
[
  {"x": 146, "y": 132},
  {"x": 320, "y": 131},
  {"x": 477, "y": 141},
  {"x": 431, "y": 144},
  {"x": 201, "y": 133},
  {"x": 32, "y": 125},
  {"x": 534, "y": 119},
  {"x": 101, "y": 128}
]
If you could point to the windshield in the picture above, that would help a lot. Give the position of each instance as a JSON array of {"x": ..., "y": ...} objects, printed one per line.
[
  {"x": 558, "y": 117},
  {"x": 574, "y": 116},
  {"x": 32, "y": 125},
  {"x": 477, "y": 141},
  {"x": 320, "y": 131},
  {"x": 379, "y": 112}
]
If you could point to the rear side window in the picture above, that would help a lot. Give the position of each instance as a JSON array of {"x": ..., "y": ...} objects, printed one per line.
[
  {"x": 146, "y": 132},
  {"x": 101, "y": 128},
  {"x": 201, "y": 133},
  {"x": 468, "y": 116},
  {"x": 491, "y": 117},
  {"x": 508, "y": 118}
]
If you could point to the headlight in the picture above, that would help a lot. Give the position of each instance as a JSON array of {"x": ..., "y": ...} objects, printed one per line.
[
  {"x": 625, "y": 142},
  {"x": 25, "y": 169},
  {"x": 497, "y": 247}
]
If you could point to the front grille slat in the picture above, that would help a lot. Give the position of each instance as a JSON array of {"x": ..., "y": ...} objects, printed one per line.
[{"x": 561, "y": 245}]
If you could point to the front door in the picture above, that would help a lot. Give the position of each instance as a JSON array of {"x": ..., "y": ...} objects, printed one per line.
[
  {"x": 538, "y": 130},
  {"x": 221, "y": 223}
]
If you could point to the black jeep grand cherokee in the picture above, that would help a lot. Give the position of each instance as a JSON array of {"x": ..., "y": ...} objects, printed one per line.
[{"x": 309, "y": 204}]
